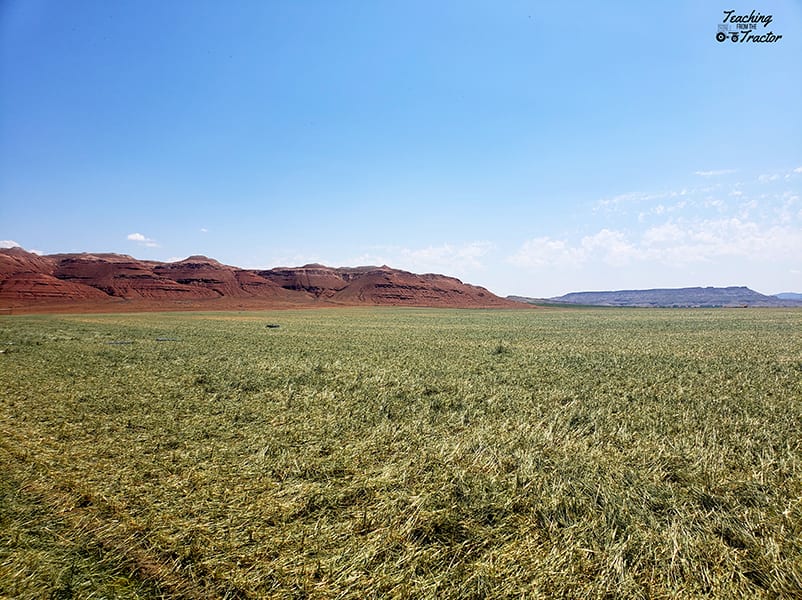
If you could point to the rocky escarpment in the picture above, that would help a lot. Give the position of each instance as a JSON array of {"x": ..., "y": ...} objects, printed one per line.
[
  {"x": 391, "y": 286},
  {"x": 123, "y": 276},
  {"x": 382, "y": 285},
  {"x": 318, "y": 280},
  {"x": 205, "y": 273},
  {"x": 27, "y": 279}
]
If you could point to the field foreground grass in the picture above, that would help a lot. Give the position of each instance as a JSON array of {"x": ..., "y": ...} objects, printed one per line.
[{"x": 402, "y": 453}]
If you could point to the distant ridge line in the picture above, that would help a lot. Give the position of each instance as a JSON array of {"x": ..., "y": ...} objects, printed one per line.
[{"x": 688, "y": 297}]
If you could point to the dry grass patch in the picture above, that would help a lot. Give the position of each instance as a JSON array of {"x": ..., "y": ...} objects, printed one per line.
[{"x": 372, "y": 453}]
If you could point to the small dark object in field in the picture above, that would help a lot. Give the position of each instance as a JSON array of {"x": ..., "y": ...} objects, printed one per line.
[
  {"x": 166, "y": 339},
  {"x": 119, "y": 342},
  {"x": 272, "y": 326}
]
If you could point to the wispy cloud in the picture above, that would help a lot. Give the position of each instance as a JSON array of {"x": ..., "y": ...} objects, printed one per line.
[
  {"x": 547, "y": 252},
  {"x": 9, "y": 244},
  {"x": 616, "y": 203},
  {"x": 631, "y": 198},
  {"x": 768, "y": 177},
  {"x": 715, "y": 173},
  {"x": 451, "y": 259},
  {"x": 662, "y": 209},
  {"x": 776, "y": 175},
  {"x": 447, "y": 254},
  {"x": 142, "y": 240},
  {"x": 793, "y": 173}
]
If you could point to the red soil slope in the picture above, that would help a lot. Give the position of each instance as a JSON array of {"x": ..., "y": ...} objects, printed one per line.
[
  {"x": 40, "y": 287},
  {"x": 112, "y": 282}
]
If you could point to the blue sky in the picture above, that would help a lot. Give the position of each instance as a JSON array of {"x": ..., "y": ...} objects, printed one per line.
[{"x": 534, "y": 148}]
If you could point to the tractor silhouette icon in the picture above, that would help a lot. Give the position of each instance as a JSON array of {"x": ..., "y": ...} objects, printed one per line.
[{"x": 724, "y": 32}]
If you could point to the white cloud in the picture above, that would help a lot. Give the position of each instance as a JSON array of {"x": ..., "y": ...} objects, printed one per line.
[
  {"x": 13, "y": 244},
  {"x": 715, "y": 173},
  {"x": 547, "y": 252},
  {"x": 672, "y": 243},
  {"x": 722, "y": 232},
  {"x": 204, "y": 230},
  {"x": 793, "y": 173},
  {"x": 785, "y": 213},
  {"x": 727, "y": 238},
  {"x": 446, "y": 255},
  {"x": 142, "y": 240},
  {"x": 611, "y": 246},
  {"x": 663, "y": 234},
  {"x": 735, "y": 237}
]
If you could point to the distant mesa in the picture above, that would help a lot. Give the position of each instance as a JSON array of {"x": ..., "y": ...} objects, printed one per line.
[
  {"x": 692, "y": 297},
  {"x": 96, "y": 282}
]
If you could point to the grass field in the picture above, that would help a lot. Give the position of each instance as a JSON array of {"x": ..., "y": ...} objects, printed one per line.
[{"x": 402, "y": 453}]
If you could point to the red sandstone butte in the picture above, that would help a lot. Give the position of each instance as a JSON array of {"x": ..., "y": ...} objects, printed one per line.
[{"x": 101, "y": 282}]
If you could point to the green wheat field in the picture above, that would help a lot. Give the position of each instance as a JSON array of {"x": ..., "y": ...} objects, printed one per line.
[{"x": 402, "y": 453}]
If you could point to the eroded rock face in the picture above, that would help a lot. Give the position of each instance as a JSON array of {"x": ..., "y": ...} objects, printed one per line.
[
  {"x": 394, "y": 287},
  {"x": 383, "y": 285},
  {"x": 314, "y": 279},
  {"x": 259, "y": 287},
  {"x": 203, "y": 273},
  {"x": 125, "y": 277},
  {"x": 26, "y": 277},
  {"x": 17, "y": 260}
]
